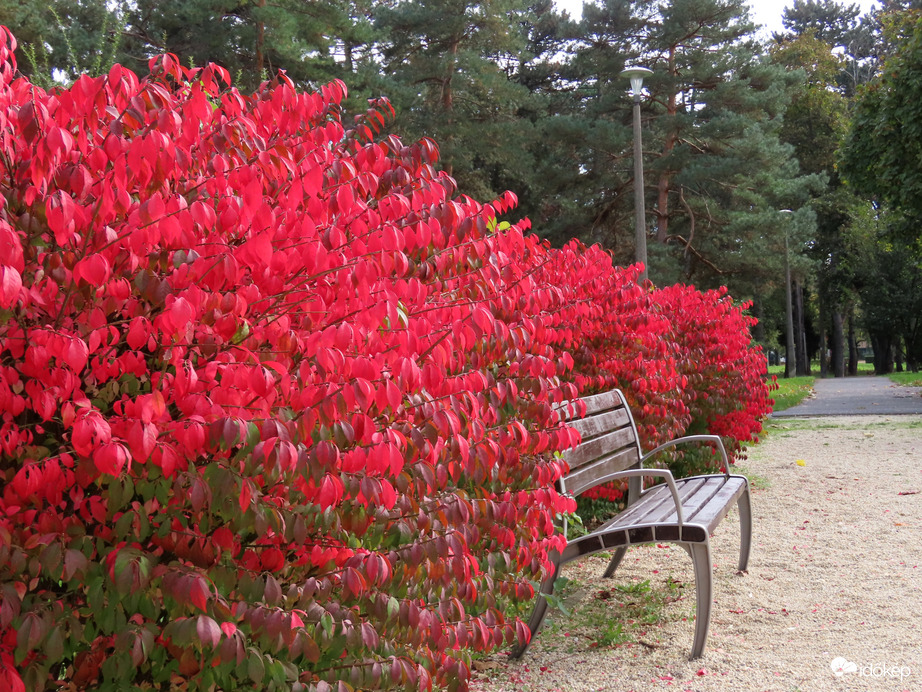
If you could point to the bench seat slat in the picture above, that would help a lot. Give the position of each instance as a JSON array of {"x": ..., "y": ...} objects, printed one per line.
[
  {"x": 702, "y": 496},
  {"x": 656, "y": 505},
  {"x": 705, "y": 502},
  {"x": 712, "y": 514}
]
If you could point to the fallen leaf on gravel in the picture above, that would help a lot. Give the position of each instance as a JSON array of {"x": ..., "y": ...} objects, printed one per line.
[{"x": 485, "y": 665}]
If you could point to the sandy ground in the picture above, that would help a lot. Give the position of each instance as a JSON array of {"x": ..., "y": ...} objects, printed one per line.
[{"x": 835, "y": 573}]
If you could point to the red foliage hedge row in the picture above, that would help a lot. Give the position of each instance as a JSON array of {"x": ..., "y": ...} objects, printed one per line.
[{"x": 277, "y": 404}]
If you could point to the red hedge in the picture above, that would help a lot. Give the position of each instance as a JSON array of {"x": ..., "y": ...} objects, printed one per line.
[
  {"x": 277, "y": 406},
  {"x": 270, "y": 412},
  {"x": 683, "y": 357}
]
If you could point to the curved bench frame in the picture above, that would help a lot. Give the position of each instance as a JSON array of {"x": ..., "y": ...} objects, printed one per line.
[{"x": 684, "y": 511}]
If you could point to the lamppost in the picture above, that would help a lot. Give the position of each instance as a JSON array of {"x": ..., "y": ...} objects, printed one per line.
[
  {"x": 790, "y": 361},
  {"x": 636, "y": 75}
]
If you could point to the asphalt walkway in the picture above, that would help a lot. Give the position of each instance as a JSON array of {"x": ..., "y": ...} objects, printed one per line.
[{"x": 856, "y": 396}]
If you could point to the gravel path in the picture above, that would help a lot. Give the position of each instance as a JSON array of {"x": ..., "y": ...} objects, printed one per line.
[{"x": 836, "y": 573}]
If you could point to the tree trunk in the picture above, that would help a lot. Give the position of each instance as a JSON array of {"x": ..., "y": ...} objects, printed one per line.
[
  {"x": 447, "y": 95},
  {"x": 790, "y": 349},
  {"x": 758, "y": 329},
  {"x": 883, "y": 352},
  {"x": 662, "y": 200},
  {"x": 803, "y": 359},
  {"x": 852, "y": 344},
  {"x": 913, "y": 346},
  {"x": 838, "y": 344},
  {"x": 824, "y": 361},
  {"x": 260, "y": 42}
]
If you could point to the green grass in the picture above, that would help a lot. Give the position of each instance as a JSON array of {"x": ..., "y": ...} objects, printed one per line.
[
  {"x": 791, "y": 391},
  {"x": 756, "y": 481},
  {"x": 913, "y": 379},
  {"x": 622, "y": 613},
  {"x": 864, "y": 368}
]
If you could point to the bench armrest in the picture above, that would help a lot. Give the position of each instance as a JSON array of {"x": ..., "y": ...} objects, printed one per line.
[
  {"x": 693, "y": 438},
  {"x": 665, "y": 473}
]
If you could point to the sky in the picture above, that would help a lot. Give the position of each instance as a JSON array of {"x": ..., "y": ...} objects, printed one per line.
[{"x": 764, "y": 12}]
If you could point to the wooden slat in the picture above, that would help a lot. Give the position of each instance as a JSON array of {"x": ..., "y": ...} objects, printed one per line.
[
  {"x": 702, "y": 495},
  {"x": 612, "y": 443},
  {"x": 604, "y": 401},
  {"x": 594, "y": 426},
  {"x": 651, "y": 505},
  {"x": 657, "y": 506},
  {"x": 711, "y": 514},
  {"x": 587, "y": 477}
]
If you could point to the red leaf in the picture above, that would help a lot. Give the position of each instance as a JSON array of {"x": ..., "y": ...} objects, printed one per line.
[
  {"x": 178, "y": 315},
  {"x": 354, "y": 582},
  {"x": 257, "y": 251},
  {"x": 10, "y": 286},
  {"x": 483, "y": 319},
  {"x": 198, "y": 593},
  {"x": 138, "y": 332},
  {"x": 74, "y": 562},
  {"x": 223, "y": 538},
  {"x": 142, "y": 439},
  {"x": 208, "y": 630},
  {"x": 344, "y": 199},
  {"x": 245, "y": 495},
  {"x": 110, "y": 458},
  {"x": 93, "y": 270},
  {"x": 76, "y": 354},
  {"x": 331, "y": 492}
]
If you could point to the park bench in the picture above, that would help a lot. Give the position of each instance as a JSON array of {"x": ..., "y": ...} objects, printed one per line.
[{"x": 684, "y": 511}]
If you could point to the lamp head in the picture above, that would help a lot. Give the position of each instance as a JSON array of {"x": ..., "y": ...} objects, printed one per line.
[{"x": 636, "y": 75}]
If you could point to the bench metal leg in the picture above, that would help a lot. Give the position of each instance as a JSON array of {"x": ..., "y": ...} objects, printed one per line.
[
  {"x": 537, "y": 615},
  {"x": 704, "y": 594},
  {"x": 614, "y": 562},
  {"x": 745, "y": 509}
]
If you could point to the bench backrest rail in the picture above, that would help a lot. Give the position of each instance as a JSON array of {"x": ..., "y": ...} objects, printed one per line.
[{"x": 610, "y": 442}]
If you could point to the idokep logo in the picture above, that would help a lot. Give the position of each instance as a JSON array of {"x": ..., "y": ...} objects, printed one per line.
[{"x": 841, "y": 666}]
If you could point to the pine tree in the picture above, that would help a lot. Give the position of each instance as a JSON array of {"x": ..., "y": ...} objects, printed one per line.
[
  {"x": 453, "y": 66},
  {"x": 714, "y": 165},
  {"x": 253, "y": 40},
  {"x": 61, "y": 39}
]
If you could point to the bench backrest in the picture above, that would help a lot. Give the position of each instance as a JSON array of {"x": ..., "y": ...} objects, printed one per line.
[{"x": 609, "y": 443}]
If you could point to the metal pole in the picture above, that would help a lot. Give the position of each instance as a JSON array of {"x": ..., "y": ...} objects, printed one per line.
[
  {"x": 790, "y": 362},
  {"x": 640, "y": 220}
]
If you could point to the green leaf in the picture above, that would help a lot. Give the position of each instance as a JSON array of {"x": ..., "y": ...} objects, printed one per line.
[
  {"x": 256, "y": 667},
  {"x": 326, "y": 622},
  {"x": 51, "y": 559},
  {"x": 393, "y": 607},
  {"x": 554, "y": 601}
]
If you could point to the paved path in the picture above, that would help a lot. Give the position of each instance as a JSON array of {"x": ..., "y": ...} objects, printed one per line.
[{"x": 857, "y": 396}]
